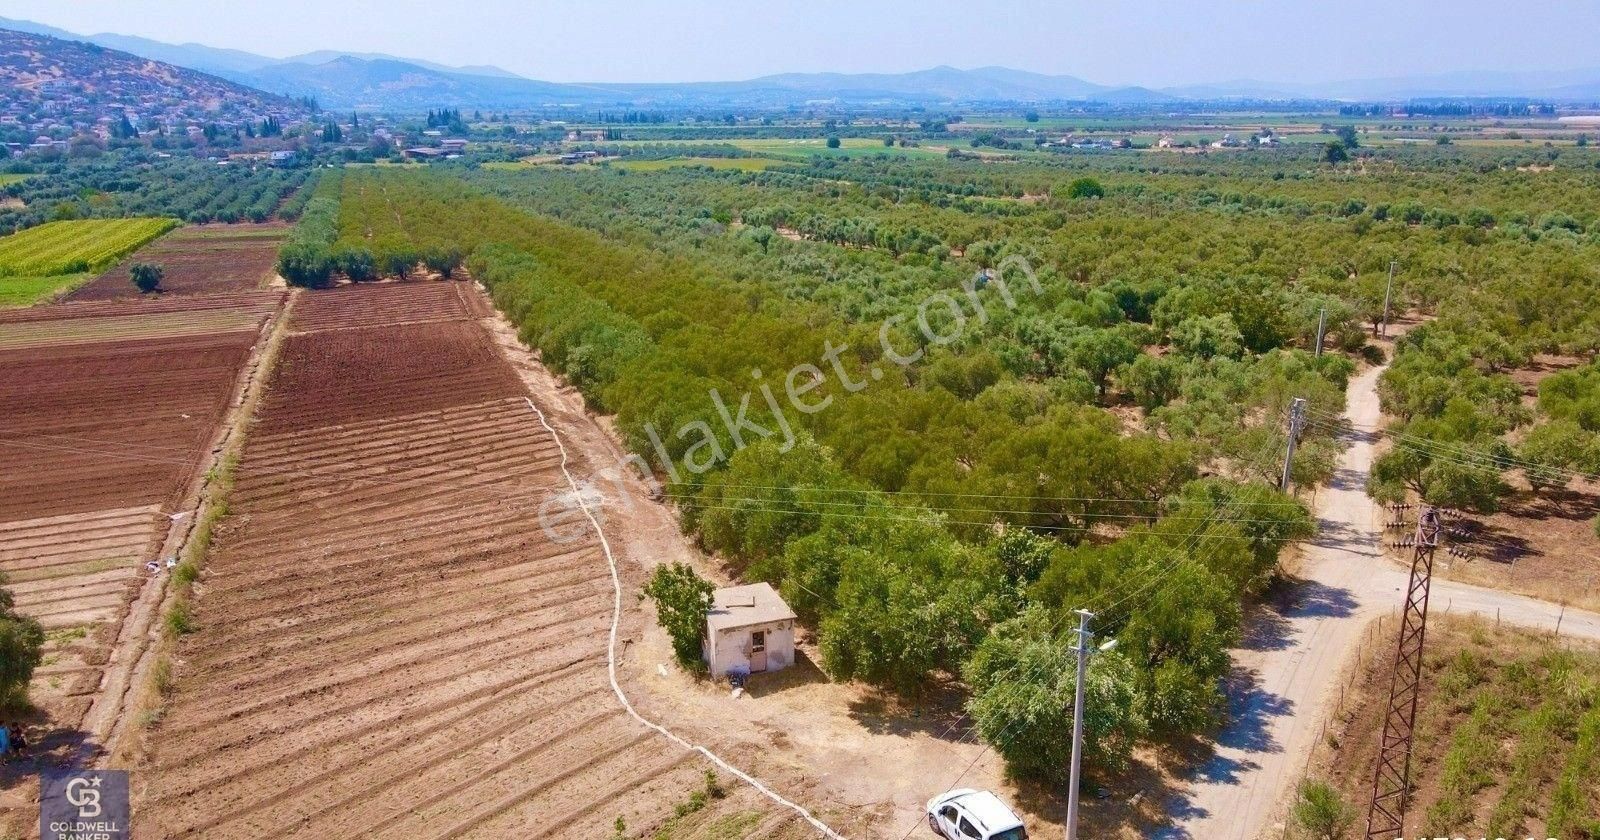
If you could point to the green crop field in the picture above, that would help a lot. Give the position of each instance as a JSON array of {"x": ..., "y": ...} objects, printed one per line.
[
  {"x": 9, "y": 178},
  {"x": 27, "y": 291},
  {"x": 739, "y": 164},
  {"x": 75, "y": 246}
]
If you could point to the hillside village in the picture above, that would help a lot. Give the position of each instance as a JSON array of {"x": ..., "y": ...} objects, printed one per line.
[{"x": 58, "y": 92}]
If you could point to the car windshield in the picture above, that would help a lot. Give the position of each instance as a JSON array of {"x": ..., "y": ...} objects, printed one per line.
[{"x": 1018, "y": 833}]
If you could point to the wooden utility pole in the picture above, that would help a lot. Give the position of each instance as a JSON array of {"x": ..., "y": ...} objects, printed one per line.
[{"x": 1391, "y": 782}]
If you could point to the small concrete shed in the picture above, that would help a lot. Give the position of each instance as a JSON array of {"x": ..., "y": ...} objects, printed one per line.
[{"x": 749, "y": 629}]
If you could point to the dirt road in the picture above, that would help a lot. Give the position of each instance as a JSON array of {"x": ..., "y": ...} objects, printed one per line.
[{"x": 1285, "y": 676}]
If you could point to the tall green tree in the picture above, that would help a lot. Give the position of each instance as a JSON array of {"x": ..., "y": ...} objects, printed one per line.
[
  {"x": 682, "y": 599},
  {"x": 1023, "y": 679}
]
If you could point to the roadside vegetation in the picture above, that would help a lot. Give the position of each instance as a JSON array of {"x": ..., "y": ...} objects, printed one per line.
[{"x": 1508, "y": 735}]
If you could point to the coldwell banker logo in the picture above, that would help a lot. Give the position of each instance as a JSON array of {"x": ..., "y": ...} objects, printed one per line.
[{"x": 84, "y": 805}]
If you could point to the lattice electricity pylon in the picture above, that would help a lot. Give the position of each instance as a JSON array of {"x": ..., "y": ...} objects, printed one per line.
[{"x": 1391, "y": 782}]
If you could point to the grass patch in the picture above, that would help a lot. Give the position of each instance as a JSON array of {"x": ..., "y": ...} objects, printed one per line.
[
  {"x": 9, "y": 178},
  {"x": 680, "y": 825},
  {"x": 180, "y": 619},
  {"x": 720, "y": 164},
  {"x": 27, "y": 291},
  {"x": 62, "y": 635}
]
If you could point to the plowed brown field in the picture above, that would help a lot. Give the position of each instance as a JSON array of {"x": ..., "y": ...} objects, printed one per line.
[
  {"x": 384, "y": 304},
  {"x": 108, "y": 415},
  {"x": 198, "y": 259},
  {"x": 388, "y": 643},
  {"x": 110, "y": 424}
]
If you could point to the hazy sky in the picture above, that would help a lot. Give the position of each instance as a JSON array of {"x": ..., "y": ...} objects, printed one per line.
[{"x": 1148, "y": 42}]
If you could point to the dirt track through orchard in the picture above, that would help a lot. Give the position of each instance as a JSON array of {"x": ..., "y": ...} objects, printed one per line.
[{"x": 1285, "y": 676}]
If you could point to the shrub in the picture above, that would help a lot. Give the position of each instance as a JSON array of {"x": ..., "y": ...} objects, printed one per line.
[
  {"x": 833, "y": 142},
  {"x": 1321, "y": 813},
  {"x": 146, "y": 276},
  {"x": 1086, "y": 188},
  {"x": 21, "y": 640},
  {"x": 179, "y": 620}
]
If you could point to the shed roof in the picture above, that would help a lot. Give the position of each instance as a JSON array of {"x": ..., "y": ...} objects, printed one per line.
[{"x": 742, "y": 606}]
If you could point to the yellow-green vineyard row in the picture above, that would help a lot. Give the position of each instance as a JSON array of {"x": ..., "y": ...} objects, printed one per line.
[{"x": 74, "y": 246}]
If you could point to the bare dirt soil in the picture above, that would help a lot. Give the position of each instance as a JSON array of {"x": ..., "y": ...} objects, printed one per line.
[
  {"x": 102, "y": 433},
  {"x": 263, "y": 303},
  {"x": 197, "y": 259},
  {"x": 102, "y": 425},
  {"x": 1539, "y": 544},
  {"x": 356, "y": 305},
  {"x": 388, "y": 642}
]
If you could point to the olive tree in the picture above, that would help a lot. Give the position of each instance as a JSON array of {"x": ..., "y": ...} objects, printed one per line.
[
  {"x": 146, "y": 276},
  {"x": 1023, "y": 680}
]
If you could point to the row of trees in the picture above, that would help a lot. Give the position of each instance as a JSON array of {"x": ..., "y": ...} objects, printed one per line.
[
  {"x": 128, "y": 184},
  {"x": 879, "y": 520}
]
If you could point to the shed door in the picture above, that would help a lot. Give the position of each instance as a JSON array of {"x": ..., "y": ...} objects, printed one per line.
[{"x": 758, "y": 651}]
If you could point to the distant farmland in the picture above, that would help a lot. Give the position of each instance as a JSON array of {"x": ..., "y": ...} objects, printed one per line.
[
  {"x": 740, "y": 164},
  {"x": 799, "y": 149}
]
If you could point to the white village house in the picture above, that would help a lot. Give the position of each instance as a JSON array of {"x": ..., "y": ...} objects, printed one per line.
[{"x": 749, "y": 629}]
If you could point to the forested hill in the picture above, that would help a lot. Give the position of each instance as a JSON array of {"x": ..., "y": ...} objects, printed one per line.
[{"x": 51, "y": 83}]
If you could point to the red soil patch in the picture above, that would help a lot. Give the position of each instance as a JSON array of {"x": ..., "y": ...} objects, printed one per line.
[
  {"x": 111, "y": 424},
  {"x": 197, "y": 259},
  {"x": 344, "y": 376},
  {"x": 381, "y": 304},
  {"x": 261, "y": 303}
]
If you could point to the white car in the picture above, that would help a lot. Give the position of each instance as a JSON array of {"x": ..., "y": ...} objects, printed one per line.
[{"x": 973, "y": 815}]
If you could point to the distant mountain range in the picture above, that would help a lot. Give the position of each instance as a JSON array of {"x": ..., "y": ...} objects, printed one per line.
[{"x": 376, "y": 81}]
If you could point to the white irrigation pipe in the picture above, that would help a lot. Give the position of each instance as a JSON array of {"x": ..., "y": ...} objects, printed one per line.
[{"x": 611, "y": 652}]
